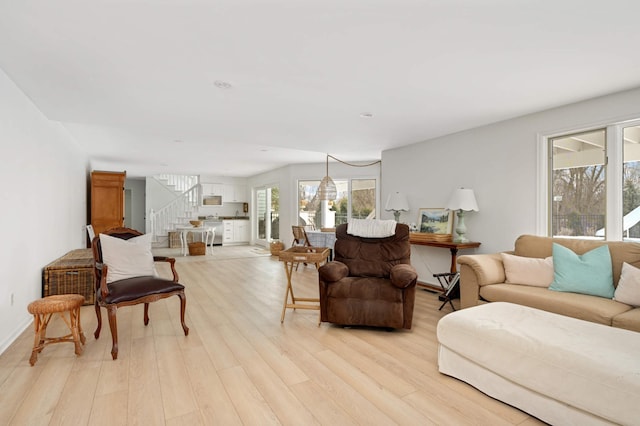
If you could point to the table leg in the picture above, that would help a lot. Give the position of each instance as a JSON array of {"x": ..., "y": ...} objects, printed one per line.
[
  {"x": 454, "y": 261},
  {"x": 288, "y": 268},
  {"x": 183, "y": 243}
]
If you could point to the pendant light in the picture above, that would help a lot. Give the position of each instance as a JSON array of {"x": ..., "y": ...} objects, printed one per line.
[{"x": 327, "y": 189}]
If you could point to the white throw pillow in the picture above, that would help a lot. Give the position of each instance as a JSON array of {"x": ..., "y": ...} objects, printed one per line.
[
  {"x": 528, "y": 270},
  {"x": 127, "y": 258},
  {"x": 628, "y": 290}
]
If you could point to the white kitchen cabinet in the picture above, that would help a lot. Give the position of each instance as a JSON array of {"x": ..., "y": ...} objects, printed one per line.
[
  {"x": 236, "y": 232},
  {"x": 241, "y": 231},
  {"x": 212, "y": 189},
  {"x": 235, "y": 194}
]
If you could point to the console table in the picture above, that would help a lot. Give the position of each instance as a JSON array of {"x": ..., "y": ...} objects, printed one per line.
[{"x": 452, "y": 246}]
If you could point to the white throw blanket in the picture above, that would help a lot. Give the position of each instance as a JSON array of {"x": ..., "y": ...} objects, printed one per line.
[{"x": 368, "y": 228}]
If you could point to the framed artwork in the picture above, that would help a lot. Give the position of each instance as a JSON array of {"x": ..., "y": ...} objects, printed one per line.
[{"x": 435, "y": 221}]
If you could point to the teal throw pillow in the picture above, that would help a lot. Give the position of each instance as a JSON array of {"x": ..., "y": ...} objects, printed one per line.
[{"x": 589, "y": 273}]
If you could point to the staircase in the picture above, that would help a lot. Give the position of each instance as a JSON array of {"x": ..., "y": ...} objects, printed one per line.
[{"x": 180, "y": 210}]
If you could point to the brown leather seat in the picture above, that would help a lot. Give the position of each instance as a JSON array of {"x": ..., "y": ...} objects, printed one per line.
[
  {"x": 131, "y": 291},
  {"x": 371, "y": 281}
]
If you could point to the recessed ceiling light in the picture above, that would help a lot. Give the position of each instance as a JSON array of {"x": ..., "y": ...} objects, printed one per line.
[
  {"x": 222, "y": 84},
  {"x": 366, "y": 115}
]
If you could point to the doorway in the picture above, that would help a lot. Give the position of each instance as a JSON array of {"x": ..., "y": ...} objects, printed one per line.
[{"x": 268, "y": 214}]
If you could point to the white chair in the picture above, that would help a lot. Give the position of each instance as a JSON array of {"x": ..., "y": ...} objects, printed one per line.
[{"x": 91, "y": 233}]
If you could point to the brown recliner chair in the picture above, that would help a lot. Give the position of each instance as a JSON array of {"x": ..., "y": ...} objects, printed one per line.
[{"x": 371, "y": 281}]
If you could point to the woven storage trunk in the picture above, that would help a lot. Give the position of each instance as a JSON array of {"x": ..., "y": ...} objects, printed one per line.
[
  {"x": 70, "y": 274},
  {"x": 197, "y": 249},
  {"x": 174, "y": 239}
]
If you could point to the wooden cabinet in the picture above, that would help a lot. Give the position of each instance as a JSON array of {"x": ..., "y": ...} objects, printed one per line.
[{"x": 107, "y": 200}]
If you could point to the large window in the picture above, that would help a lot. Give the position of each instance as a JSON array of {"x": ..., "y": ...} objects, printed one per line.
[
  {"x": 356, "y": 199},
  {"x": 594, "y": 183},
  {"x": 578, "y": 195}
]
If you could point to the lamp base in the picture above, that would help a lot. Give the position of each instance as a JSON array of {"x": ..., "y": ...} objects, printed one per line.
[
  {"x": 461, "y": 229},
  {"x": 396, "y": 215}
]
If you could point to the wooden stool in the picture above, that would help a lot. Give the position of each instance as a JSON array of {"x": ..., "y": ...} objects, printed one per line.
[{"x": 43, "y": 309}]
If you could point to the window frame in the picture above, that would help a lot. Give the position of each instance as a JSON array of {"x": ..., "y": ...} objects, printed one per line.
[
  {"x": 349, "y": 191},
  {"x": 614, "y": 157}
]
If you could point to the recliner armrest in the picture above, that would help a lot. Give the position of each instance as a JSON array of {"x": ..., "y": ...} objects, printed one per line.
[
  {"x": 403, "y": 276},
  {"x": 333, "y": 271}
]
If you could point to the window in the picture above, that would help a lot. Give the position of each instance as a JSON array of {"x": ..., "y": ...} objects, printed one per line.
[
  {"x": 356, "y": 199},
  {"x": 593, "y": 183},
  {"x": 631, "y": 182},
  {"x": 578, "y": 195}
]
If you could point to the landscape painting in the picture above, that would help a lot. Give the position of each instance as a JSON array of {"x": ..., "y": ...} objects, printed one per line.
[{"x": 435, "y": 221}]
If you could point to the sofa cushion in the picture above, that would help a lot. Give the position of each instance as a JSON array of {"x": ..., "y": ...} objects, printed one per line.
[
  {"x": 527, "y": 270},
  {"x": 628, "y": 290},
  {"x": 621, "y": 251},
  {"x": 589, "y": 273},
  {"x": 581, "y": 306}
]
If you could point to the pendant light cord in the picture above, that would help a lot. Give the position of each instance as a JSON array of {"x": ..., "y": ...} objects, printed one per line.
[{"x": 349, "y": 164}]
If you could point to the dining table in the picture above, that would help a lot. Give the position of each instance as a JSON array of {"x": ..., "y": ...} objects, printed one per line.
[
  {"x": 322, "y": 239},
  {"x": 204, "y": 236}
]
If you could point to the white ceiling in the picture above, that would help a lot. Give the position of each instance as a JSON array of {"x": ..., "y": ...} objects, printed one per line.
[{"x": 134, "y": 81}]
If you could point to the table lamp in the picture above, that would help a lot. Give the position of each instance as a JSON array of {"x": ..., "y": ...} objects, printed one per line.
[
  {"x": 462, "y": 200},
  {"x": 397, "y": 202}
]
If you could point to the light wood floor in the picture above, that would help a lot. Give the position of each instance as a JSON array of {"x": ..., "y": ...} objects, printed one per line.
[{"x": 240, "y": 365}]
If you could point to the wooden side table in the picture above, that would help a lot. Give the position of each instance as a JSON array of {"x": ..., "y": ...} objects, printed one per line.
[{"x": 291, "y": 257}]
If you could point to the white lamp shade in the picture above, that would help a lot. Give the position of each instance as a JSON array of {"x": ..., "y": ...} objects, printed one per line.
[
  {"x": 397, "y": 201},
  {"x": 463, "y": 199}
]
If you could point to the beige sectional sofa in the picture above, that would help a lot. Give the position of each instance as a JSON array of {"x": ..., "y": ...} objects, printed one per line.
[{"x": 482, "y": 278}]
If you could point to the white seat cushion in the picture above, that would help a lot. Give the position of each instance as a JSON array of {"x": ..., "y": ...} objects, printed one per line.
[{"x": 592, "y": 368}]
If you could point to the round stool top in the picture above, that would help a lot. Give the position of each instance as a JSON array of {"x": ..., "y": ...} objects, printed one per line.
[{"x": 55, "y": 303}]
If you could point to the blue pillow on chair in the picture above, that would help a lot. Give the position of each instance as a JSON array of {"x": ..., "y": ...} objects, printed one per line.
[{"x": 590, "y": 273}]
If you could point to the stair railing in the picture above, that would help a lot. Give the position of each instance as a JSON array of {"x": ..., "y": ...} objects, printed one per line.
[{"x": 175, "y": 213}]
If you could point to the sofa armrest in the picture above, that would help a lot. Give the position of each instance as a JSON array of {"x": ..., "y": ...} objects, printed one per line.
[
  {"x": 403, "y": 275},
  {"x": 333, "y": 271},
  {"x": 477, "y": 270}
]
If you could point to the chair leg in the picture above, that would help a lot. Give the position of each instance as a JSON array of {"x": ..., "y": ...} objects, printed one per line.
[
  {"x": 146, "y": 314},
  {"x": 113, "y": 324},
  {"x": 96, "y": 333},
  {"x": 183, "y": 307},
  {"x": 37, "y": 342}
]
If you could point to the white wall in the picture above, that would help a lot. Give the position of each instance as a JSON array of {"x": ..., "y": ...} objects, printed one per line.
[
  {"x": 499, "y": 162},
  {"x": 44, "y": 203}
]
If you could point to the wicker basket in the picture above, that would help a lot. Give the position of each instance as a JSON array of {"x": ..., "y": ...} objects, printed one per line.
[
  {"x": 197, "y": 249},
  {"x": 276, "y": 247},
  {"x": 425, "y": 237}
]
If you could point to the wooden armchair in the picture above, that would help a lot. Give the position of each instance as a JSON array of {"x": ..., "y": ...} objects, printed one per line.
[{"x": 113, "y": 294}]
